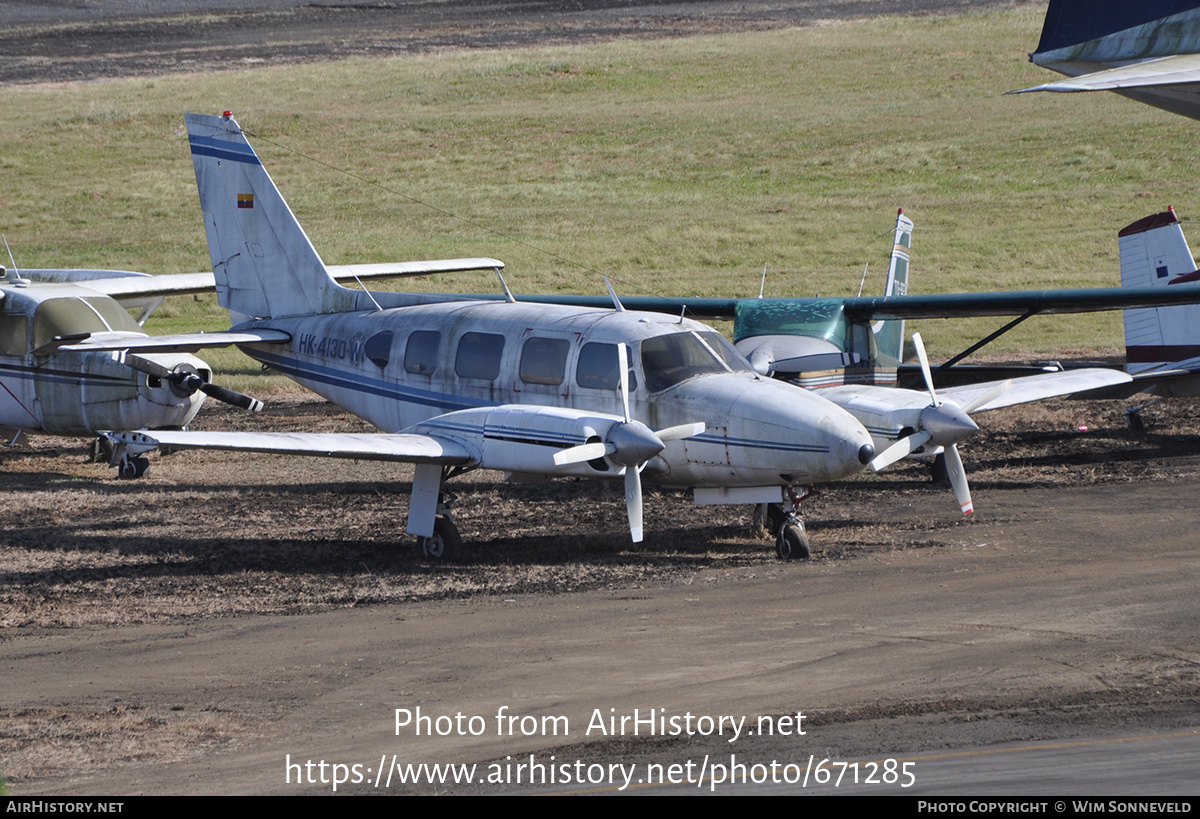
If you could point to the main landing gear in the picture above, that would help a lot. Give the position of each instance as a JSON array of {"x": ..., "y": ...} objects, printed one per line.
[
  {"x": 445, "y": 545},
  {"x": 786, "y": 524},
  {"x": 131, "y": 467}
]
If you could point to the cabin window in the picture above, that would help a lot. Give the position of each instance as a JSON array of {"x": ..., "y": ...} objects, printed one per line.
[
  {"x": 544, "y": 361},
  {"x": 420, "y": 356},
  {"x": 379, "y": 348},
  {"x": 670, "y": 359},
  {"x": 479, "y": 356},
  {"x": 14, "y": 333},
  {"x": 598, "y": 368}
]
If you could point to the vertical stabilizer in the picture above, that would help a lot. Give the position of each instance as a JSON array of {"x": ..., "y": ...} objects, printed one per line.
[
  {"x": 264, "y": 263},
  {"x": 1154, "y": 253},
  {"x": 889, "y": 334}
]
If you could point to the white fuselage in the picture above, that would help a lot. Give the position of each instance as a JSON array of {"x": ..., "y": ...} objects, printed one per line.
[{"x": 403, "y": 366}]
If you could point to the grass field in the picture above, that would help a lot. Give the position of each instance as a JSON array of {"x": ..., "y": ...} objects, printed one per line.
[{"x": 676, "y": 167}]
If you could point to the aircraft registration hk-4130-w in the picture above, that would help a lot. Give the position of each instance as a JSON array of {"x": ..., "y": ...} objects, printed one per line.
[{"x": 529, "y": 389}]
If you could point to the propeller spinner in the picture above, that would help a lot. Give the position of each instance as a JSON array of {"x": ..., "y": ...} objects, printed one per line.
[{"x": 185, "y": 378}]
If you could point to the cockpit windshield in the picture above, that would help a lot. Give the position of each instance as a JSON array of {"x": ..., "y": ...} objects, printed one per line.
[
  {"x": 73, "y": 315},
  {"x": 670, "y": 359},
  {"x": 815, "y": 318}
]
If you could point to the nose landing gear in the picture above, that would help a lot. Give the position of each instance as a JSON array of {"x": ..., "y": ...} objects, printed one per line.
[{"x": 785, "y": 522}]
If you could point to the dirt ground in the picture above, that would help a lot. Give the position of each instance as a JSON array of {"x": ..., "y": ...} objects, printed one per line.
[
  {"x": 45, "y": 40},
  {"x": 186, "y": 633}
]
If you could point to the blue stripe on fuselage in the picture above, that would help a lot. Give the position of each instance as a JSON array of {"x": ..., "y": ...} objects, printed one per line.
[
  {"x": 373, "y": 386},
  {"x": 358, "y": 383}
]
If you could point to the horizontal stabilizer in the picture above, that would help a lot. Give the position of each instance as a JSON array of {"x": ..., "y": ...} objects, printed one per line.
[{"x": 1177, "y": 70}]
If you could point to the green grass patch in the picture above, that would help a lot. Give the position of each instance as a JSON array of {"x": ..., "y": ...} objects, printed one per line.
[{"x": 676, "y": 167}]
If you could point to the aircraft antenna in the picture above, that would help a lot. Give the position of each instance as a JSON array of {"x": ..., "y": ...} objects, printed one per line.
[
  {"x": 508, "y": 296},
  {"x": 864, "y": 278},
  {"x": 616, "y": 301},
  {"x": 763, "y": 284},
  {"x": 16, "y": 274}
]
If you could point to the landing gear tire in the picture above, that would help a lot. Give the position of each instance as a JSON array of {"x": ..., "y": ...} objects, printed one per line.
[
  {"x": 445, "y": 546},
  {"x": 792, "y": 543},
  {"x": 131, "y": 468}
]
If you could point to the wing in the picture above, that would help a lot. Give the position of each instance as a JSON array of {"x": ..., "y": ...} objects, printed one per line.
[
  {"x": 178, "y": 343},
  {"x": 942, "y": 305},
  {"x": 406, "y": 448},
  {"x": 126, "y": 285},
  {"x": 1031, "y": 388}
]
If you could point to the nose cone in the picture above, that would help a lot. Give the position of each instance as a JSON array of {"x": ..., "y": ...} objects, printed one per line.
[
  {"x": 866, "y": 453},
  {"x": 805, "y": 438},
  {"x": 947, "y": 424}
]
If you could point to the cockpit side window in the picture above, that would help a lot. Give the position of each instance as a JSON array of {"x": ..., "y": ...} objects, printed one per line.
[
  {"x": 14, "y": 333},
  {"x": 544, "y": 361},
  {"x": 479, "y": 356},
  {"x": 421, "y": 352},
  {"x": 598, "y": 368}
]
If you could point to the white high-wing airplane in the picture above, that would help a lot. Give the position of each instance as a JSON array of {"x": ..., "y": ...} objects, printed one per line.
[
  {"x": 47, "y": 389},
  {"x": 529, "y": 389}
]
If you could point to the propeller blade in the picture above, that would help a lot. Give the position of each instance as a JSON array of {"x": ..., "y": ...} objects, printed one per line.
[
  {"x": 900, "y": 449},
  {"x": 633, "y": 501},
  {"x": 919, "y": 344},
  {"x": 958, "y": 479},
  {"x": 623, "y": 364},
  {"x": 579, "y": 454},
  {"x": 233, "y": 397},
  {"x": 988, "y": 397},
  {"x": 681, "y": 431}
]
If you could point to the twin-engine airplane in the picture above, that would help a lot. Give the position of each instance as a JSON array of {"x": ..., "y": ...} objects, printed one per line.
[
  {"x": 584, "y": 389},
  {"x": 532, "y": 390}
]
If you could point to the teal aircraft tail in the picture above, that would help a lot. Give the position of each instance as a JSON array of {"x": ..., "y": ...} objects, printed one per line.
[
  {"x": 889, "y": 333},
  {"x": 264, "y": 263}
]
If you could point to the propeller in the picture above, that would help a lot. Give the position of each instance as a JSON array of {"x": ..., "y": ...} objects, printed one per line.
[
  {"x": 942, "y": 424},
  {"x": 186, "y": 381},
  {"x": 630, "y": 444}
]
